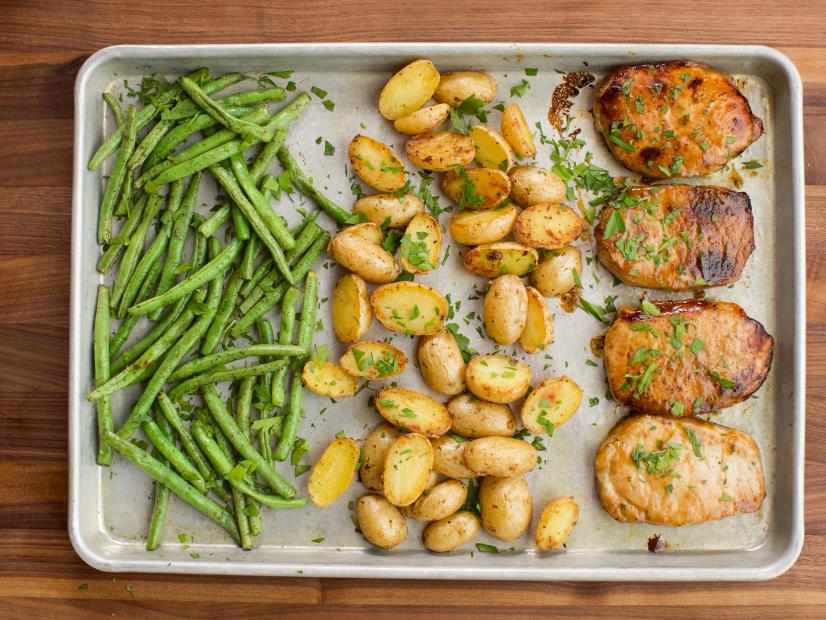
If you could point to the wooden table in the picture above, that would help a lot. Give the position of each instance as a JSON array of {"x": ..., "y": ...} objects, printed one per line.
[{"x": 42, "y": 45}]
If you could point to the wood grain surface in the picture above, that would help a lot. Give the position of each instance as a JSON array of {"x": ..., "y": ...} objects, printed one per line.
[{"x": 42, "y": 45}]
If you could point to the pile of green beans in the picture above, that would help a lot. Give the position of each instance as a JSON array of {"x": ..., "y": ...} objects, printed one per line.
[{"x": 191, "y": 304}]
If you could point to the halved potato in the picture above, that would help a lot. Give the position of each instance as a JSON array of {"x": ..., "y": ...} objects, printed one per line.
[
  {"x": 368, "y": 260},
  {"x": 407, "y": 469},
  {"x": 516, "y": 131},
  {"x": 371, "y": 359},
  {"x": 491, "y": 260},
  {"x": 488, "y": 188},
  {"x": 375, "y": 451},
  {"x": 477, "y": 227},
  {"x": 380, "y": 522},
  {"x": 327, "y": 379},
  {"x": 556, "y": 523},
  {"x": 456, "y": 86},
  {"x": 554, "y": 275},
  {"x": 454, "y": 531},
  {"x": 551, "y": 403},
  {"x": 532, "y": 185},
  {"x": 409, "y": 307},
  {"x": 497, "y": 378},
  {"x": 548, "y": 226},
  {"x": 413, "y": 411},
  {"x": 502, "y": 457},
  {"x": 333, "y": 472},
  {"x": 506, "y": 506},
  {"x": 449, "y": 457},
  {"x": 408, "y": 90},
  {"x": 421, "y": 245},
  {"x": 492, "y": 150},
  {"x": 366, "y": 230},
  {"x": 505, "y": 309},
  {"x": 420, "y": 121},
  {"x": 440, "y": 501},
  {"x": 441, "y": 363},
  {"x": 376, "y": 164},
  {"x": 389, "y": 210},
  {"x": 351, "y": 310},
  {"x": 539, "y": 323},
  {"x": 440, "y": 150},
  {"x": 474, "y": 418}
]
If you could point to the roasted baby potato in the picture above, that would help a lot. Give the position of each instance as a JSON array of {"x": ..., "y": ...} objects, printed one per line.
[
  {"x": 421, "y": 244},
  {"x": 548, "y": 226},
  {"x": 454, "y": 531},
  {"x": 478, "y": 227},
  {"x": 502, "y": 457},
  {"x": 449, "y": 457},
  {"x": 441, "y": 363},
  {"x": 556, "y": 523},
  {"x": 491, "y": 260},
  {"x": 516, "y": 131},
  {"x": 366, "y": 259},
  {"x": 413, "y": 411},
  {"x": 381, "y": 523},
  {"x": 408, "y": 90},
  {"x": 407, "y": 468},
  {"x": 492, "y": 150},
  {"x": 409, "y": 308},
  {"x": 327, "y": 379},
  {"x": 476, "y": 418},
  {"x": 333, "y": 472},
  {"x": 421, "y": 121},
  {"x": 352, "y": 313},
  {"x": 389, "y": 209},
  {"x": 550, "y": 404},
  {"x": 490, "y": 187},
  {"x": 497, "y": 378},
  {"x": 369, "y": 231},
  {"x": 505, "y": 309},
  {"x": 440, "y": 150},
  {"x": 376, "y": 164},
  {"x": 440, "y": 501},
  {"x": 539, "y": 323},
  {"x": 531, "y": 185},
  {"x": 375, "y": 451},
  {"x": 371, "y": 359},
  {"x": 506, "y": 506},
  {"x": 456, "y": 86},
  {"x": 555, "y": 274}
]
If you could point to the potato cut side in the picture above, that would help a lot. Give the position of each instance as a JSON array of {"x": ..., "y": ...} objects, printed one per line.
[
  {"x": 556, "y": 523},
  {"x": 368, "y": 260},
  {"x": 407, "y": 469},
  {"x": 376, "y": 164},
  {"x": 479, "y": 227},
  {"x": 333, "y": 472},
  {"x": 548, "y": 226},
  {"x": 538, "y": 333},
  {"x": 371, "y": 359},
  {"x": 409, "y": 307},
  {"x": 420, "y": 121},
  {"x": 389, "y": 210},
  {"x": 368, "y": 231},
  {"x": 492, "y": 150},
  {"x": 531, "y": 185},
  {"x": 413, "y": 411},
  {"x": 497, "y": 378},
  {"x": 551, "y": 404},
  {"x": 517, "y": 132},
  {"x": 476, "y": 188},
  {"x": 421, "y": 244},
  {"x": 327, "y": 379},
  {"x": 440, "y": 150},
  {"x": 375, "y": 451},
  {"x": 491, "y": 260},
  {"x": 408, "y": 90},
  {"x": 456, "y": 86},
  {"x": 352, "y": 313}
]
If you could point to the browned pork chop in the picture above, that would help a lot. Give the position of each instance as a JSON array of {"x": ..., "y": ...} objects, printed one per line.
[
  {"x": 678, "y": 472},
  {"x": 673, "y": 119},
  {"x": 677, "y": 237}
]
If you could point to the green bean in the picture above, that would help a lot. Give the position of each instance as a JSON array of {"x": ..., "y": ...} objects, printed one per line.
[
  {"x": 292, "y": 419},
  {"x": 150, "y": 257},
  {"x": 116, "y": 109},
  {"x": 216, "y": 139},
  {"x": 113, "y": 186},
  {"x": 239, "y": 440},
  {"x": 215, "y": 221},
  {"x": 217, "y": 376},
  {"x": 242, "y": 227},
  {"x": 101, "y": 355},
  {"x": 278, "y": 394},
  {"x": 266, "y": 337},
  {"x": 149, "y": 143},
  {"x": 306, "y": 326},
  {"x": 163, "y": 496},
  {"x": 125, "y": 201},
  {"x": 196, "y": 164},
  {"x": 176, "y": 484},
  {"x": 244, "y": 406},
  {"x": 266, "y": 156},
  {"x": 203, "y": 275},
  {"x": 248, "y": 130},
  {"x": 227, "y": 180},
  {"x": 187, "y": 107},
  {"x": 118, "y": 243},
  {"x": 306, "y": 187},
  {"x": 270, "y": 217},
  {"x": 177, "y": 459},
  {"x": 134, "y": 248},
  {"x": 129, "y": 323},
  {"x": 219, "y": 323},
  {"x": 251, "y": 253}
]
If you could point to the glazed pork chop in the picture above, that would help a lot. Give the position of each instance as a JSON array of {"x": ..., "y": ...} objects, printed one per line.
[
  {"x": 677, "y": 237},
  {"x": 673, "y": 119},
  {"x": 685, "y": 357},
  {"x": 678, "y": 472}
]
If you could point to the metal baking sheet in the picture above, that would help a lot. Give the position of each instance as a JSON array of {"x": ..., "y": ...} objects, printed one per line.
[{"x": 109, "y": 508}]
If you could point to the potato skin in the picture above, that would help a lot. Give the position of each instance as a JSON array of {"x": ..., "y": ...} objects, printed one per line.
[
  {"x": 369, "y": 231},
  {"x": 423, "y": 120},
  {"x": 408, "y": 89},
  {"x": 502, "y": 457},
  {"x": 375, "y": 449},
  {"x": 449, "y": 458},
  {"x": 381, "y": 523},
  {"x": 497, "y": 378},
  {"x": 378, "y": 208},
  {"x": 532, "y": 185},
  {"x": 505, "y": 309},
  {"x": 368, "y": 260},
  {"x": 454, "y": 531},
  {"x": 506, "y": 506},
  {"x": 556, "y": 523},
  {"x": 351, "y": 309},
  {"x": 440, "y": 501},
  {"x": 516, "y": 131},
  {"x": 456, "y": 86},
  {"x": 476, "y": 418},
  {"x": 548, "y": 226},
  {"x": 554, "y": 276},
  {"x": 440, "y": 150},
  {"x": 441, "y": 363},
  {"x": 478, "y": 227}
]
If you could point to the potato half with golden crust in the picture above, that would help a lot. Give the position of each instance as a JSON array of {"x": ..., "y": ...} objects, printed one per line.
[
  {"x": 440, "y": 150},
  {"x": 371, "y": 360},
  {"x": 413, "y": 411},
  {"x": 476, "y": 188},
  {"x": 421, "y": 244},
  {"x": 407, "y": 468},
  {"x": 556, "y": 523},
  {"x": 492, "y": 150},
  {"x": 441, "y": 363},
  {"x": 333, "y": 472},
  {"x": 327, "y": 379},
  {"x": 389, "y": 210},
  {"x": 421, "y": 121},
  {"x": 517, "y": 132},
  {"x": 491, "y": 260},
  {"x": 539, "y": 323},
  {"x": 497, "y": 378},
  {"x": 548, "y": 226},
  {"x": 408, "y": 90},
  {"x": 376, "y": 164},
  {"x": 551, "y": 403},
  {"x": 409, "y": 307},
  {"x": 479, "y": 227},
  {"x": 351, "y": 310},
  {"x": 366, "y": 259},
  {"x": 505, "y": 309}
]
